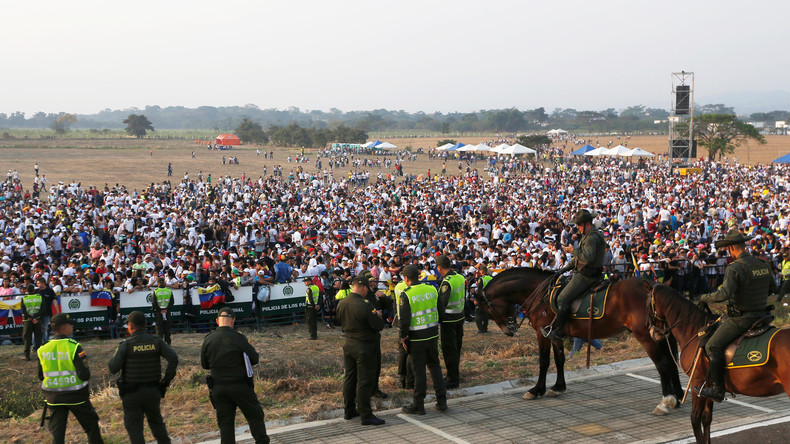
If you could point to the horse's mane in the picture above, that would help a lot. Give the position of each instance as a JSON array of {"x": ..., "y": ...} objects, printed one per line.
[
  {"x": 677, "y": 306},
  {"x": 511, "y": 272}
]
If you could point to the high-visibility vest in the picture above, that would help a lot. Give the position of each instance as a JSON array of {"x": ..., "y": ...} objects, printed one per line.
[
  {"x": 312, "y": 293},
  {"x": 786, "y": 269},
  {"x": 57, "y": 365},
  {"x": 32, "y": 303},
  {"x": 163, "y": 296},
  {"x": 424, "y": 321},
  {"x": 486, "y": 279},
  {"x": 342, "y": 294},
  {"x": 399, "y": 289},
  {"x": 455, "y": 305}
]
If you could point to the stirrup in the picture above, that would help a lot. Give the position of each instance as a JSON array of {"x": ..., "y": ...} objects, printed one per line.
[{"x": 547, "y": 330}]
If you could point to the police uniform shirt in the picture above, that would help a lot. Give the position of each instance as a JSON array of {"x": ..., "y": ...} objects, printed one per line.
[
  {"x": 83, "y": 372},
  {"x": 222, "y": 353},
  {"x": 138, "y": 357},
  {"x": 746, "y": 274},
  {"x": 359, "y": 319}
]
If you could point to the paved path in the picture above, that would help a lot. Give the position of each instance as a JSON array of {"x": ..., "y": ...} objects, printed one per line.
[{"x": 609, "y": 404}]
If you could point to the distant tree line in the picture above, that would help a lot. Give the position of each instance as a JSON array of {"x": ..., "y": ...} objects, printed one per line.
[
  {"x": 295, "y": 135},
  {"x": 321, "y": 125}
]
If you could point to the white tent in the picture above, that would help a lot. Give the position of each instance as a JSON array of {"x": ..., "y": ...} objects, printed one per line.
[
  {"x": 386, "y": 145},
  {"x": 369, "y": 145},
  {"x": 445, "y": 146},
  {"x": 639, "y": 152},
  {"x": 466, "y": 148},
  {"x": 477, "y": 148},
  {"x": 596, "y": 152},
  {"x": 557, "y": 131},
  {"x": 619, "y": 150},
  {"x": 500, "y": 147},
  {"x": 517, "y": 149}
]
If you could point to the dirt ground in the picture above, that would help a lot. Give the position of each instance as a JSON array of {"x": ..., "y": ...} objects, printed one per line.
[{"x": 130, "y": 161}]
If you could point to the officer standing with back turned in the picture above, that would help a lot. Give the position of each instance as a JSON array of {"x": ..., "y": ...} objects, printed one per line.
[
  {"x": 748, "y": 281},
  {"x": 141, "y": 384},
  {"x": 63, "y": 368},
  {"x": 230, "y": 357}
]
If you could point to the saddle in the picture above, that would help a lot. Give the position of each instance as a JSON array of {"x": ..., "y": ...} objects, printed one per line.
[
  {"x": 580, "y": 307},
  {"x": 761, "y": 326},
  {"x": 755, "y": 350}
]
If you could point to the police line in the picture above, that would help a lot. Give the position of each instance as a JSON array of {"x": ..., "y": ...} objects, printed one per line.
[{"x": 271, "y": 299}]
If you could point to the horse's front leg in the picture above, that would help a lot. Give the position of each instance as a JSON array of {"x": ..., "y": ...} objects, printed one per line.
[
  {"x": 699, "y": 407},
  {"x": 559, "y": 362},
  {"x": 707, "y": 418},
  {"x": 544, "y": 351}
]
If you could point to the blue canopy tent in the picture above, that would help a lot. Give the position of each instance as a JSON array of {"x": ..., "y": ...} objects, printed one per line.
[
  {"x": 783, "y": 159},
  {"x": 582, "y": 150},
  {"x": 456, "y": 146}
]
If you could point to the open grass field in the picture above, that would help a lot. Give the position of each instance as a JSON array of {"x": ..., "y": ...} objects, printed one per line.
[{"x": 127, "y": 161}]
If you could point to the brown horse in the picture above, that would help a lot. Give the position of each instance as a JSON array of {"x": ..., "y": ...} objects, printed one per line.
[
  {"x": 514, "y": 291},
  {"x": 671, "y": 312}
]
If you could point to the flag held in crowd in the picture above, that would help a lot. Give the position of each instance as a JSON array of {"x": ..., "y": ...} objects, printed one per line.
[
  {"x": 11, "y": 313},
  {"x": 101, "y": 298},
  {"x": 210, "y": 296}
]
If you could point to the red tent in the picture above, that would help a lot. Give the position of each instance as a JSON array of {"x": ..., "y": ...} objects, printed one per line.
[{"x": 228, "y": 139}]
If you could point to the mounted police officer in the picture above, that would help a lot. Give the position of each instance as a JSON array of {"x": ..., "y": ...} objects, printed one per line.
[
  {"x": 230, "y": 357},
  {"x": 312, "y": 304},
  {"x": 747, "y": 283},
  {"x": 141, "y": 384},
  {"x": 419, "y": 333},
  {"x": 162, "y": 302},
  {"x": 451, "y": 318},
  {"x": 361, "y": 326},
  {"x": 63, "y": 368},
  {"x": 587, "y": 264}
]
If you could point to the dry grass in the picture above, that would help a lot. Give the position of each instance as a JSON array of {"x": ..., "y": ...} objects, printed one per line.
[{"x": 127, "y": 161}]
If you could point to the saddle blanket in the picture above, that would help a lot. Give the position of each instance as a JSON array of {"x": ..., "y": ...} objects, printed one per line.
[
  {"x": 580, "y": 308},
  {"x": 751, "y": 352}
]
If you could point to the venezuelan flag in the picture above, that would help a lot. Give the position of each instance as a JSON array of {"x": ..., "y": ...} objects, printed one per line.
[
  {"x": 102, "y": 298},
  {"x": 12, "y": 312},
  {"x": 210, "y": 296}
]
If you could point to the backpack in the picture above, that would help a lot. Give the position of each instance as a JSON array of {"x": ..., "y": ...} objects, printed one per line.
[{"x": 317, "y": 282}]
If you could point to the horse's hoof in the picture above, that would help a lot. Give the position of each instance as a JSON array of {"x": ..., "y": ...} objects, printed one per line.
[
  {"x": 529, "y": 396},
  {"x": 660, "y": 411},
  {"x": 551, "y": 393}
]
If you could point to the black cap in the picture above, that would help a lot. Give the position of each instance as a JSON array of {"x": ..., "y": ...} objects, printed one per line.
[
  {"x": 226, "y": 312},
  {"x": 362, "y": 278},
  {"x": 307, "y": 279},
  {"x": 61, "y": 319},
  {"x": 443, "y": 261},
  {"x": 411, "y": 272}
]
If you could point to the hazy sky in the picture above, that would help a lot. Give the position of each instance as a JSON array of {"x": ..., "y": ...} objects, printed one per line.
[{"x": 424, "y": 55}]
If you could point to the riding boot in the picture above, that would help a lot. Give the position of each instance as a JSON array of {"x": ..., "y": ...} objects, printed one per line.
[
  {"x": 715, "y": 388},
  {"x": 557, "y": 327},
  {"x": 416, "y": 408},
  {"x": 441, "y": 403}
]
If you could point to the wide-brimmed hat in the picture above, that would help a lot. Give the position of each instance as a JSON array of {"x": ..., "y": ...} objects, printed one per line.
[
  {"x": 582, "y": 216},
  {"x": 733, "y": 237}
]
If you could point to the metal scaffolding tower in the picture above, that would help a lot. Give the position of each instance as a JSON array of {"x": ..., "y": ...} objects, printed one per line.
[{"x": 682, "y": 147}]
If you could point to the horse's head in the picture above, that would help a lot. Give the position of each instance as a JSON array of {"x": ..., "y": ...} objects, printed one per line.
[
  {"x": 502, "y": 312},
  {"x": 507, "y": 294}
]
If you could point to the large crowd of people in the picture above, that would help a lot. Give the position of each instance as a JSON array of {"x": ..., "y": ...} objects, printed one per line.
[{"x": 495, "y": 215}]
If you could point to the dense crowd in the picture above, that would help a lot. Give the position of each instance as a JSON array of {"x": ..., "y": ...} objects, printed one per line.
[{"x": 494, "y": 215}]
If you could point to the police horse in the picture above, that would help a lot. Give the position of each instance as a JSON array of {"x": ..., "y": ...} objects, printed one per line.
[
  {"x": 526, "y": 290},
  {"x": 767, "y": 375}
]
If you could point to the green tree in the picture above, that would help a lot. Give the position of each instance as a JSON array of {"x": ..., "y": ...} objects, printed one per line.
[
  {"x": 63, "y": 122},
  {"x": 251, "y": 132},
  {"x": 722, "y": 133},
  {"x": 534, "y": 140},
  {"x": 137, "y": 125},
  {"x": 446, "y": 141}
]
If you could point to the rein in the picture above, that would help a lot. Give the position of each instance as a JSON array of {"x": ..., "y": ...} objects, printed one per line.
[
  {"x": 511, "y": 323},
  {"x": 652, "y": 318}
]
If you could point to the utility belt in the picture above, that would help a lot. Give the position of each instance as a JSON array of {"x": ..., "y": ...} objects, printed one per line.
[
  {"x": 125, "y": 387},
  {"x": 734, "y": 312},
  {"x": 211, "y": 382},
  {"x": 591, "y": 272}
]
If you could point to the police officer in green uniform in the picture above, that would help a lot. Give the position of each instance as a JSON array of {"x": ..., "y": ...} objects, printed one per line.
[
  {"x": 162, "y": 302},
  {"x": 785, "y": 270},
  {"x": 361, "y": 326},
  {"x": 311, "y": 307},
  {"x": 372, "y": 297},
  {"x": 63, "y": 368},
  {"x": 587, "y": 264},
  {"x": 748, "y": 281},
  {"x": 32, "y": 309},
  {"x": 141, "y": 384},
  {"x": 226, "y": 353},
  {"x": 481, "y": 316},
  {"x": 419, "y": 333},
  {"x": 405, "y": 372},
  {"x": 451, "y": 318}
]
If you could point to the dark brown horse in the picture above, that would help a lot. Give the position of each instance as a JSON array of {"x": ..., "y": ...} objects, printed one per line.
[
  {"x": 671, "y": 312},
  {"x": 514, "y": 290}
]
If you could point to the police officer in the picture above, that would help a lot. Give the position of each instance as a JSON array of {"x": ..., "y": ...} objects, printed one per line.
[
  {"x": 311, "y": 307},
  {"x": 785, "y": 271},
  {"x": 481, "y": 316},
  {"x": 451, "y": 318},
  {"x": 32, "y": 310},
  {"x": 162, "y": 302},
  {"x": 361, "y": 326},
  {"x": 230, "y": 357},
  {"x": 747, "y": 283},
  {"x": 141, "y": 383},
  {"x": 419, "y": 333},
  {"x": 374, "y": 297},
  {"x": 63, "y": 368},
  {"x": 587, "y": 264},
  {"x": 405, "y": 372}
]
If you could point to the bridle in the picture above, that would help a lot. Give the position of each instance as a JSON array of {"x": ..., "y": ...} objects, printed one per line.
[
  {"x": 511, "y": 323},
  {"x": 658, "y": 333}
]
